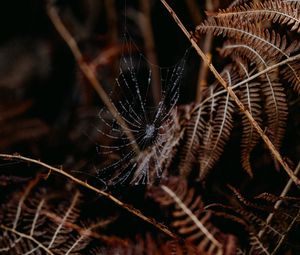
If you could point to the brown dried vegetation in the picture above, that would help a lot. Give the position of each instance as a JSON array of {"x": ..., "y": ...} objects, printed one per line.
[{"x": 187, "y": 162}]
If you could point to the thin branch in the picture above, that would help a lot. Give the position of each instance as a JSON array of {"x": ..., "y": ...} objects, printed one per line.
[
  {"x": 127, "y": 207},
  {"x": 250, "y": 78},
  {"x": 230, "y": 91},
  {"x": 88, "y": 72}
]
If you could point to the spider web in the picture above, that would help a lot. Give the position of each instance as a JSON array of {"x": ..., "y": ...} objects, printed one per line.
[{"x": 152, "y": 125}]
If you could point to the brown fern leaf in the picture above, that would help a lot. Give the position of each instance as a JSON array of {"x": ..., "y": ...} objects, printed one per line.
[
  {"x": 251, "y": 95},
  {"x": 275, "y": 104},
  {"x": 194, "y": 131},
  {"x": 248, "y": 33},
  {"x": 276, "y": 110},
  {"x": 271, "y": 44},
  {"x": 202, "y": 142},
  {"x": 31, "y": 225},
  {"x": 190, "y": 219},
  {"x": 274, "y": 45},
  {"x": 218, "y": 130},
  {"x": 266, "y": 235},
  {"x": 241, "y": 46},
  {"x": 288, "y": 74},
  {"x": 251, "y": 98},
  {"x": 253, "y": 53},
  {"x": 277, "y": 11},
  {"x": 23, "y": 236}
]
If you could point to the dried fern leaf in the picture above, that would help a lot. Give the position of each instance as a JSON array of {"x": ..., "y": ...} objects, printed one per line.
[
  {"x": 192, "y": 223},
  {"x": 190, "y": 219},
  {"x": 194, "y": 131},
  {"x": 277, "y": 11},
  {"x": 217, "y": 131},
  {"x": 266, "y": 236},
  {"x": 251, "y": 98},
  {"x": 248, "y": 33},
  {"x": 275, "y": 102},
  {"x": 288, "y": 74},
  {"x": 272, "y": 45},
  {"x": 30, "y": 224}
]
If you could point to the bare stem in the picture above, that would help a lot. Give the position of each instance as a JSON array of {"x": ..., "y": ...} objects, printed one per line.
[
  {"x": 230, "y": 91},
  {"x": 127, "y": 207},
  {"x": 88, "y": 72},
  {"x": 247, "y": 80}
]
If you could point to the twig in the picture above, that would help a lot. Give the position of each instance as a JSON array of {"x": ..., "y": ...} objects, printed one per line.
[
  {"x": 127, "y": 207},
  {"x": 230, "y": 91},
  {"x": 252, "y": 77},
  {"x": 90, "y": 75}
]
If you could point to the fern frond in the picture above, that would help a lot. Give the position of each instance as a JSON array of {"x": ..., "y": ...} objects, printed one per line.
[
  {"x": 275, "y": 104},
  {"x": 288, "y": 74},
  {"x": 218, "y": 130},
  {"x": 190, "y": 219},
  {"x": 271, "y": 44},
  {"x": 30, "y": 224},
  {"x": 265, "y": 236},
  {"x": 257, "y": 246},
  {"x": 277, "y": 11},
  {"x": 248, "y": 33},
  {"x": 192, "y": 223},
  {"x": 251, "y": 98},
  {"x": 276, "y": 110},
  {"x": 35, "y": 233},
  {"x": 201, "y": 116}
]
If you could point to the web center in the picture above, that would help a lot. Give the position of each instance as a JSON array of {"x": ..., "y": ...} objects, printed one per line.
[{"x": 149, "y": 131}]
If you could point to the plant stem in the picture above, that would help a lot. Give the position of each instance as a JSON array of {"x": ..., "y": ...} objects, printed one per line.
[
  {"x": 127, "y": 207},
  {"x": 230, "y": 91},
  {"x": 89, "y": 73}
]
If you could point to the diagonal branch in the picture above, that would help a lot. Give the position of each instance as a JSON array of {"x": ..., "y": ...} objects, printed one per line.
[
  {"x": 88, "y": 72},
  {"x": 127, "y": 207},
  {"x": 243, "y": 109}
]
